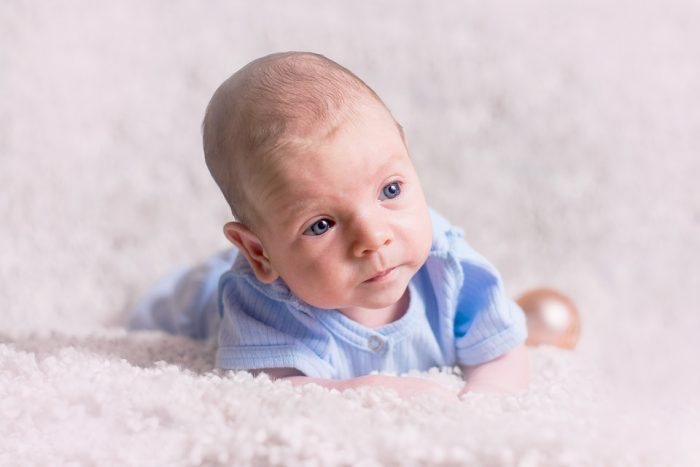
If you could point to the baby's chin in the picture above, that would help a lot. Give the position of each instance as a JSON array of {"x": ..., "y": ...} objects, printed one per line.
[
  {"x": 370, "y": 296},
  {"x": 381, "y": 304},
  {"x": 377, "y": 301},
  {"x": 384, "y": 300}
]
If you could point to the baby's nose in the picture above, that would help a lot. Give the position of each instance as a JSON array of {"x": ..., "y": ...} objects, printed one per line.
[{"x": 371, "y": 235}]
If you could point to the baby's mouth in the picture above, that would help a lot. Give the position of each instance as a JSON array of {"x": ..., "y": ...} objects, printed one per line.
[{"x": 381, "y": 276}]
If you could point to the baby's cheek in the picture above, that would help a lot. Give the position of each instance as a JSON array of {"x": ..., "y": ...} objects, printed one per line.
[
  {"x": 423, "y": 234},
  {"x": 319, "y": 286}
]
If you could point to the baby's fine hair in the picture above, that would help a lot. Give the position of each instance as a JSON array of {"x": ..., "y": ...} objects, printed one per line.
[{"x": 264, "y": 105}]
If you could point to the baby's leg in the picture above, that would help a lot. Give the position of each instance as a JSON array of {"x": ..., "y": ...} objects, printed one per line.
[{"x": 184, "y": 302}]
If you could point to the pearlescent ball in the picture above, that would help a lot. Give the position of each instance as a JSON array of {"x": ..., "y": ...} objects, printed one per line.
[{"x": 552, "y": 318}]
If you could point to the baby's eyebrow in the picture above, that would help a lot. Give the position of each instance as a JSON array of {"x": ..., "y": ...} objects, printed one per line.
[
  {"x": 393, "y": 160},
  {"x": 292, "y": 210}
]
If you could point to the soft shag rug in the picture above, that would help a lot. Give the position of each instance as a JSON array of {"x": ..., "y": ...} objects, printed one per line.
[
  {"x": 562, "y": 136},
  {"x": 117, "y": 399}
]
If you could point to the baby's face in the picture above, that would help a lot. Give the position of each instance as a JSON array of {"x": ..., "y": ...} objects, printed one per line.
[{"x": 345, "y": 222}]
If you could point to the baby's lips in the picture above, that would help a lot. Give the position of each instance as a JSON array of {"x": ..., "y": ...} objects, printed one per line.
[{"x": 381, "y": 274}]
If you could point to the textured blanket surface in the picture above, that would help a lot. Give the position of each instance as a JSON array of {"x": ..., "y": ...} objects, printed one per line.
[
  {"x": 112, "y": 398},
  {"x": 564, "y": 137},
  {"x": 115, "y": 399}
]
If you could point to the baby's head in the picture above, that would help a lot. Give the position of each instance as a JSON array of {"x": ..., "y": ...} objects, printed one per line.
[{"x": 318, "y": 177}]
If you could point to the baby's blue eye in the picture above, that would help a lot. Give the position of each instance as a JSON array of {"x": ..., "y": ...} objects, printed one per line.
[
  {"x": 392, "y": 190},
  {"x": 319, "y": 227}
]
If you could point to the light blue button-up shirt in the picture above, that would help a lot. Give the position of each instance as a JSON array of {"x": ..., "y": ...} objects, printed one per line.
[{"x": 457, "y": 314}]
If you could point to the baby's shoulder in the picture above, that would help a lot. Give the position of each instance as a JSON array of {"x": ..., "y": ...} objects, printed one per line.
[
  {"x": 449, "y": 242},
  {"x": 446, "y": 237}
]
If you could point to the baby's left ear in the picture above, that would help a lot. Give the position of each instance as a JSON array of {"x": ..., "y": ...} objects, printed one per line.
[{"x": 250, "y": 245}]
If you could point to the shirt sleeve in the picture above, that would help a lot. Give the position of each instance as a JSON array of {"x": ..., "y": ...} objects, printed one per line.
[
  {"x": 259, "y": 332},
  {"x": 487, "y": 323}
]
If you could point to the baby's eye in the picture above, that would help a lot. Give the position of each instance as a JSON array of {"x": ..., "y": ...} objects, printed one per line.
[
  {"x": 319, "y": 227},
  {"x": 392, "y": 190}
]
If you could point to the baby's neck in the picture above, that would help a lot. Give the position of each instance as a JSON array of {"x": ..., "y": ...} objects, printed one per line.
[{"x": 378, "y": 317}]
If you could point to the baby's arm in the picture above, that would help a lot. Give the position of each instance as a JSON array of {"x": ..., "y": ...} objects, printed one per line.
[
  {"x": 506, "y": 374},
  {"x": 406, "y": 387}
]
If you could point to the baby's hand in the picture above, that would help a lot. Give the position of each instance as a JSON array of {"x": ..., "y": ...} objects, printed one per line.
[{"x": 507, "y": 374}]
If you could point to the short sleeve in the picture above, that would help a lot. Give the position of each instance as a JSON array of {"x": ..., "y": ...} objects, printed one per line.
[
  {"x": 487, "y": 323},
  {"x": 259, "y": 332}
]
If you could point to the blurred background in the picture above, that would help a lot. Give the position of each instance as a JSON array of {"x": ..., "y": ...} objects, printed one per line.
[{"x": 563, "y": 136}]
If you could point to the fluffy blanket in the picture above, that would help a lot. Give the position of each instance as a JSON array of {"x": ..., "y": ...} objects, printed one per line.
[
  {"x": 563, "y": 137},
  {"x": 116, "y": 399}
]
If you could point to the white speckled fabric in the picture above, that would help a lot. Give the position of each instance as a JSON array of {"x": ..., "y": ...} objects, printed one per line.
[{"x": 562, "y": 136}]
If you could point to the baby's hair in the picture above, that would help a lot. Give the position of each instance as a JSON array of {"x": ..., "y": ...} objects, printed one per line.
[{"x": 265, "y": 105}]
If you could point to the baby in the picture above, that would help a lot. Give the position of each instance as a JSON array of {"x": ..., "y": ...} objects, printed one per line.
[{"x": 340, "y": 268}]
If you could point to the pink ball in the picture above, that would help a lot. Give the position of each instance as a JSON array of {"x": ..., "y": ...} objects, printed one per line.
[{"x": 552, "y": 318}]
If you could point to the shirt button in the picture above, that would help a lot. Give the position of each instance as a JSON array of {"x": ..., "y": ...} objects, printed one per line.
[{"x": 375, "y": 343}]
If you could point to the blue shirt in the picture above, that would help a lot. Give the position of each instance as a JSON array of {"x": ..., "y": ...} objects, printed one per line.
[{"x": 457, "y": 314}]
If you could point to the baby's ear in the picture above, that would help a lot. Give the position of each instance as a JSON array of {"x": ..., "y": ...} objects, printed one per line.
[{"x": 250, "y": 245}]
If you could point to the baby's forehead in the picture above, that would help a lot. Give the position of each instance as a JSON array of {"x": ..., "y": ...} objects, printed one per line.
[{"x": 339, "y": 152}]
